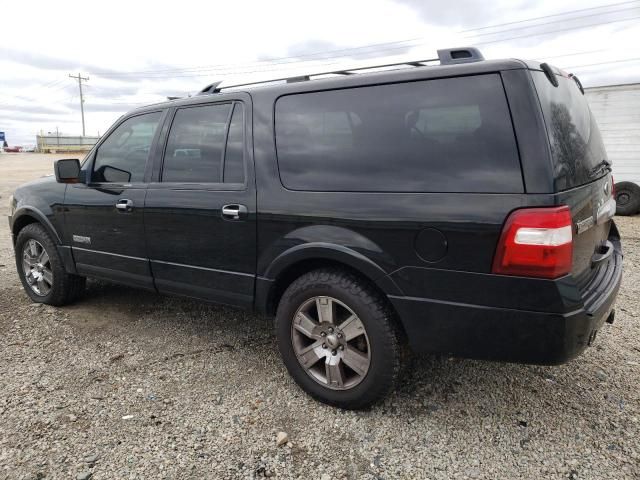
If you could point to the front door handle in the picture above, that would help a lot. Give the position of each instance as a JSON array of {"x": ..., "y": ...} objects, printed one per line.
[
  {"x": 234, "y": 212},
  {"x": 124, "y": 205}
]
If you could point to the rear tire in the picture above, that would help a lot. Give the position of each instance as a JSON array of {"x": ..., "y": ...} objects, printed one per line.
[
  {"x": 627, "y": 198},
  {"x": 41, "y": 270},
  {"x": 339, "y": 338}
]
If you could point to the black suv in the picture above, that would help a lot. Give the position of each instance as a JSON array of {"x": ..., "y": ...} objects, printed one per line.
[{"x": 463, "y": 208}]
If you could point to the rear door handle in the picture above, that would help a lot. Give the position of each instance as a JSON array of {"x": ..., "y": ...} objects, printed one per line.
[
  {"x": 124, "y": 205},
  {"x": 234, "y": 211}
]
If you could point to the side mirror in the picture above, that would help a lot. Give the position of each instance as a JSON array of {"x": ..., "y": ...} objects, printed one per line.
[{"x": 67, "y": 170}]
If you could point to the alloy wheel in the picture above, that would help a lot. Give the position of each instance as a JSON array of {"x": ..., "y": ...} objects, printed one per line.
[
  {"x": 330, "y": 342},
  {"x": 36, "y": 267}
]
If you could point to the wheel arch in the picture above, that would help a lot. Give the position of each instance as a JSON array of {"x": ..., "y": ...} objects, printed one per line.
[
  {"x": 26, "y": 216},
  {"x": 297, "y": 261}
]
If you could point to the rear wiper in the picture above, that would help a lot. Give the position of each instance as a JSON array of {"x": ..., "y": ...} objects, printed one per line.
[
  {"x": 603, "y": 165},
  {"x": 578, "y": 82}
]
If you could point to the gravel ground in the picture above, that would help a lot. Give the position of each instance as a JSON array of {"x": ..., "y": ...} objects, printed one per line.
[{"x": 127, "y": 384}]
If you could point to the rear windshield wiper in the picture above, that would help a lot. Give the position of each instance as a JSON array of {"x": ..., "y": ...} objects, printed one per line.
[
  {"x": 578, "y": 82},
  {"x": 603, "y": 165}
]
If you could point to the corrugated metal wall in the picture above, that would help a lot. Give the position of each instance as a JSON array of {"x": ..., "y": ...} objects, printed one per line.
[{"x": 617, "y": 111}]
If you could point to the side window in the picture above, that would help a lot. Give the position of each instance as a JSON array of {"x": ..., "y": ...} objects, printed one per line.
[
  {"x": 442, "y": 135},
  {"x": 122, "y": 157},
  {"x": 234, "y": 154},
  {"x": 196, "y": 144}
]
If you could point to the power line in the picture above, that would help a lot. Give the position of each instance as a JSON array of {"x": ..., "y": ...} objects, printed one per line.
[
  {"x": 202, "y": 72},
  {"x": 563, "y": 20},
  {"x": 31, "y": 98},
  {"x": 208, "y": 71},
  {"x": 597, "y": 24},
  {"x": 604, "y": 63},
  {"x": 575, "y": 54},
  {"x": 49, "y": 85},
  {"x": 296, "y": 59},
  {"x": 550, "y": 16},
  {"x": 274, "y": 61}
]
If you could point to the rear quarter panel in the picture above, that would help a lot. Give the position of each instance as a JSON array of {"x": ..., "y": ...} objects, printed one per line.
[{"x": 381, "y": 227}]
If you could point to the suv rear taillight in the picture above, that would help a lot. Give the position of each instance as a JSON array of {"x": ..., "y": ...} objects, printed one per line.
[{"x": 536, "y": 242}]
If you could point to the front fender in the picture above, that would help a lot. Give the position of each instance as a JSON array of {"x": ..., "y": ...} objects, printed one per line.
[
  {"x": 27, "y": 211},
  {"x": 41, "y": 200}
]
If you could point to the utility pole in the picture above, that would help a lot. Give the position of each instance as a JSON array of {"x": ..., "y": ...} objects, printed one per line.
[{"x": 80, "y": 79}]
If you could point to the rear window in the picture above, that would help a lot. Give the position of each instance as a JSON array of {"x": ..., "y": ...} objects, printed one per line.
[
  {"x": 445, "y": 135},
  {"x": 576, "y": 145}
]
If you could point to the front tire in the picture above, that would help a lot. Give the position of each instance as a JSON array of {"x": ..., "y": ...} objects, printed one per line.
[
  {"x": 339, "y": 339},
  {"x": 41, "y": 270},
  {"x": 627, "y": 198}
]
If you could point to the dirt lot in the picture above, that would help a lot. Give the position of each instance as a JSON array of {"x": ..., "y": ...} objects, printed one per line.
[{"x": 127, "y": 384}]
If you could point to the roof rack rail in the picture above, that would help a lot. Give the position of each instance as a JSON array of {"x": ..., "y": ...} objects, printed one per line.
[{"x": 447, "y": 56}]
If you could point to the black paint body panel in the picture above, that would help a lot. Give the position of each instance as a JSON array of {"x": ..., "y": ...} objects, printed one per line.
[
  {"x": 430, "y": 253},
  {"x": 532, "y": 332},
  {"x": 194, "y": 251},
  {"x": 40, "y": 200},
  {"x": 117, "y": 238}
]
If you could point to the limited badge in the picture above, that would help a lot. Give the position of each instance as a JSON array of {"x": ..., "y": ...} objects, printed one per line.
[
  {"x": 584, "y": 225},
  {"x": 81, "y": 239}
]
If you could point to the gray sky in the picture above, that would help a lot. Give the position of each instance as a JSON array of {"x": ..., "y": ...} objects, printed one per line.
[{"x": 140, "y": 52}]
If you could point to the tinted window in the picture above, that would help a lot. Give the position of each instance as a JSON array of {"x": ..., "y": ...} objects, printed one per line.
[
  {"x": 122, "y": 157},
  {"x": 576, "y": 145},
  {"x": 196, "y": 144},
  {"x": 444, "y": 135},
  {"x": 234, "y": 155}
]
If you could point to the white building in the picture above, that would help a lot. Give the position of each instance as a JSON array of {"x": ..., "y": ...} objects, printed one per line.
[{"x": 617, "y": 111}]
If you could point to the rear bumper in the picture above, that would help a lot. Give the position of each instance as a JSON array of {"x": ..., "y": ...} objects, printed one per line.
[{"x": 511, "y": 334}]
